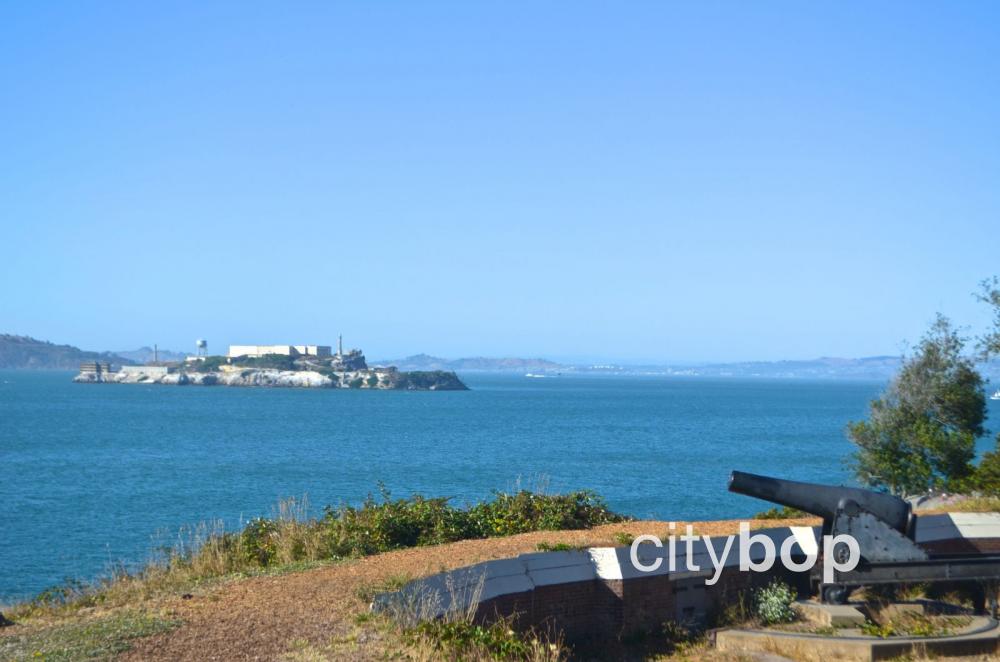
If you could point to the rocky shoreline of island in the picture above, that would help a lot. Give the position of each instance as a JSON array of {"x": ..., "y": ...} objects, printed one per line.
[{"x": 272, "y": 378}]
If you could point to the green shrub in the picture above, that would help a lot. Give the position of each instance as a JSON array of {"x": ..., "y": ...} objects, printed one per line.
[
  {"x": 881, "y": 631},
  {"x": 624, "y": 538},
  {"x": 784, "y": 512},
  {"x": 380, "y": 526},
  {"x": 527, "y": 511},
  {"x": 208, "y": 364},
  {"x": 554, "y": 547},
  {"x": 461, "y": 640},
  {"x": 392, "y": 524},
  {"x": 774, "y": 603},
  {"x": 986, "y": 478},
  {"x": 258, "y": 540}
]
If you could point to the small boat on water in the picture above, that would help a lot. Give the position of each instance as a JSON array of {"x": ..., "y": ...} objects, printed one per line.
[{"x": 996, "y": 395}]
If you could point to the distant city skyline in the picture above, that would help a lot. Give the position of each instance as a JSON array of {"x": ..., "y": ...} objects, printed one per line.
[{"x": 656, "y": 183}]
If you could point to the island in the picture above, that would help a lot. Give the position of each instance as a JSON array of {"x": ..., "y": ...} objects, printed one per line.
[{"x": 303, "y": 366}]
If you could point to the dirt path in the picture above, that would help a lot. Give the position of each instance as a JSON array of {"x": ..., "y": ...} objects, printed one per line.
[{"x": 264, "y": 618}]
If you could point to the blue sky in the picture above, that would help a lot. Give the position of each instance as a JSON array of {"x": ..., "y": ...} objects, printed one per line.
[{"x": 647, "y": 181}]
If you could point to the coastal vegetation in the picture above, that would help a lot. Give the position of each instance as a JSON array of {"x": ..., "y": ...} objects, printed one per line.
[
  {"x": 291, "y": 539},
  {"x": 921, "y": 432},
  {"x": 83, "y": 621}
]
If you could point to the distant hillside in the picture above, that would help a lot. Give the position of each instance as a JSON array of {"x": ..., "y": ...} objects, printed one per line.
[
  {"x": 870, "y": 367},
  {"x": 145, "y": 355},
  {"x": 23, "y": 352},
  {"x": 474, "y": 364}
]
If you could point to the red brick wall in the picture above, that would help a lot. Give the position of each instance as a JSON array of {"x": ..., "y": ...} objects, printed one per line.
[{"x": 611, "y": 608}]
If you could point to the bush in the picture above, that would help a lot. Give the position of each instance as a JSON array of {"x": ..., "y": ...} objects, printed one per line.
[
  {"x": 377, "y": 527},
  {"x": 461, "y": 640},
  {"x": 774, "y": 603},
  {"x": 785, "y": 512},
  {"x": 208, "y": 364},
  {"x": 392, "y": 524},
  {"x": 259, "y": 541},
  {"x": 526, "y": 511}
]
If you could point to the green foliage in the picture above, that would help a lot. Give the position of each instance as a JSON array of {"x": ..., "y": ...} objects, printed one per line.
[
  {"x": 987, "y": 476},
  {"x": 624, "y": 538},
  {"x": 554, "y": 547},
  {"x": 921, "y": 432},
  {"x": 355, "y": 383},
  {"x": 461, "y": 640},
  {"x": 680, "y": 636},
  {"x": 377, "y": 527},
  {"x": 259, "y": 540},
  {"x": 989, "y": 293},
  {"x": 876, "y": 630},
  {"x": 784, "y": 512},
  {"x": 773, "y": 603},
  {"x": 380, "y": 526},
  {"x": 209, "y": 364},
  {"x": 527, "y": 511},
  {"x": 439, "y": 380}
]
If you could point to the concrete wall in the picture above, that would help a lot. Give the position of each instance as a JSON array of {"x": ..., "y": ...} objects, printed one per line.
[
  {"x": 284, "y": 350},
  {"x": 151, "y": 370},
  {"x": 313, "y": 350}
]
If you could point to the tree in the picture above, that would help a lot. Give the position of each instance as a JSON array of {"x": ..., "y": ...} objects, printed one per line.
[
  {"x": 921, "y": 431},
  {"x": 989, "y": 293},
  {"x": 987, "y": 477}
]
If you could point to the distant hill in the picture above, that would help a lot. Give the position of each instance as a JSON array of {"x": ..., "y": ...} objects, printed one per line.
[
  {"x": 145, "y": 355},
  {"x": 870, "y": 367},
  {"x": 23, "y": 352},
  {"x": 474, "y": 364}
]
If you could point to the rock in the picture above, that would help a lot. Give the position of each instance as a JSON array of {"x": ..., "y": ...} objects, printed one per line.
[{"x": 4, "y": 621}]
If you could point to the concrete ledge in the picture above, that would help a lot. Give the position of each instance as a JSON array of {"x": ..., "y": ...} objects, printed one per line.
[
  {"x": 981, "y": 640},
  {"x": 837, "y": 616}
]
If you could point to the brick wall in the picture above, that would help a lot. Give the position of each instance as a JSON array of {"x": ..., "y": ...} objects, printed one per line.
[{"x": 602, "y": 608}]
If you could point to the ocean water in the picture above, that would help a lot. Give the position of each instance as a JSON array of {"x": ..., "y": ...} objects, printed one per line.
[{"x": 92, "y": 475}]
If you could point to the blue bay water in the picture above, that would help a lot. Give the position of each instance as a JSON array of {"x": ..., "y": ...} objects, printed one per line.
[{"x": 97, "y": 474}]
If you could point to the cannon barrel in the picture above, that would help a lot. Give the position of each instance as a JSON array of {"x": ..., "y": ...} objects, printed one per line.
[{"x": 822, "y": 500}]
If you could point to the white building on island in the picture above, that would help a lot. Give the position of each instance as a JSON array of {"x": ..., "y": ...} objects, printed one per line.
[{"x": 254, "y": 351}]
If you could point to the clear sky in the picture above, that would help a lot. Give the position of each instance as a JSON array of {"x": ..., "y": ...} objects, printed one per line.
[{"x": 627, "y": 181}]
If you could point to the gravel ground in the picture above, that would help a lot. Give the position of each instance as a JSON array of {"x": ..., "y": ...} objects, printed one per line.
[{"x": 265, "y": 618}]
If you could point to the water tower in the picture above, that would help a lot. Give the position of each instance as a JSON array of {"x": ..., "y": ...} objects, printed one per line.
[{"x": 202, "y": 346}]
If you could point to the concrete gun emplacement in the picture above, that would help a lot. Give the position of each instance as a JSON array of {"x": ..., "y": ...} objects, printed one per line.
[{"x": 884, "y": 527}]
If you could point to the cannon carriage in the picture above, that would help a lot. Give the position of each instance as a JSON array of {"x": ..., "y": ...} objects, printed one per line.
[{"x": 885, "y": 528}]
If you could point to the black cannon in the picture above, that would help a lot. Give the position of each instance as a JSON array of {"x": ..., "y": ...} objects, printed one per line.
[{"x": 884, "y": 527}]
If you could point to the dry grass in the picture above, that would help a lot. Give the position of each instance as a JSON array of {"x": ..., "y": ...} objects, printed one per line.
[
  {"x": 973, "y": 505},
  {"x": 199, "y": 558}
]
